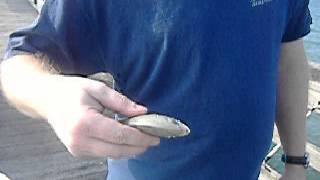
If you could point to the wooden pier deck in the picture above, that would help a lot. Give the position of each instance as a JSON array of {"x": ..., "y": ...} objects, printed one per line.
[{"x": 29, "y": 149}]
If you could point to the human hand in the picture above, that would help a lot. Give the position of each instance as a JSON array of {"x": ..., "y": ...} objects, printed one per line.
[
  {"x": 73, "y": 108},
  {"x": 294, "y": 172}
]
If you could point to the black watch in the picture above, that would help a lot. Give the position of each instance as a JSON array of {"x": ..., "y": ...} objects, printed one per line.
[{"x": 298, "y": 160}]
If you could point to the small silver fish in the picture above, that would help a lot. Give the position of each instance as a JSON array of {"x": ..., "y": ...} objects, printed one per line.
[
  {"x": 153, "y": 124},
  {"x": 158, "y": 125}
]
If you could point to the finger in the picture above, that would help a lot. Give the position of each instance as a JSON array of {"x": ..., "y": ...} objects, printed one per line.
[
  {"x": 95, "y": 147},
  {"x": 109, "y": 130},
  {"x": 114, "y": 100}
]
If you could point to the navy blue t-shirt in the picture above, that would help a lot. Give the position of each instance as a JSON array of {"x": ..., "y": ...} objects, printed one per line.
[{"x": 211, "y": 63}]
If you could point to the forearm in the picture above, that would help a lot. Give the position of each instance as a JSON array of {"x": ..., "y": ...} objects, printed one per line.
[
  {"x": 73, "y": 107},
  {"x": 24, "y": 81},
  {"x": 292, "y": 97}
]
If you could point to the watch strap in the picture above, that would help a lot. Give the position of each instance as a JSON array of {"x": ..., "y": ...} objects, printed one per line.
[{"x": 298, "y": 160}]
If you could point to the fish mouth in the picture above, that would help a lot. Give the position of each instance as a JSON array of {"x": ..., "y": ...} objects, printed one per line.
[{"x": 185, "y": 129}]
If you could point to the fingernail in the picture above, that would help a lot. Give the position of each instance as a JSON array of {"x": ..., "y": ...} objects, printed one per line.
[
  {"x": 156, "y": 142},
  {"x": 136, "y": 106}
]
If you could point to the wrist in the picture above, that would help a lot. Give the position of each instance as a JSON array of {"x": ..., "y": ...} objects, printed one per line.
[
  {"x": 302, "y": 161},
  {"x": 293, "y": 171},
  {"x": 46, "y": 93},
  {"x": 295, "y": 167}
]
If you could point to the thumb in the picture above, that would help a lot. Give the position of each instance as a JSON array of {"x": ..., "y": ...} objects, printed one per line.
[{"x": 114, "y": 100}]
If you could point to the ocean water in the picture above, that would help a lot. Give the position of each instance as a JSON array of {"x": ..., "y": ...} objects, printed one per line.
[
  {"x": 313, "y": 126},
  {"x": 312, "y": 41}
]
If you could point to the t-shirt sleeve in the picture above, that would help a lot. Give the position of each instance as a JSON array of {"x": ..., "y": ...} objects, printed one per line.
[
  {"x": 63, "y": 33},
  {"x": 299, "y": 21}
]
